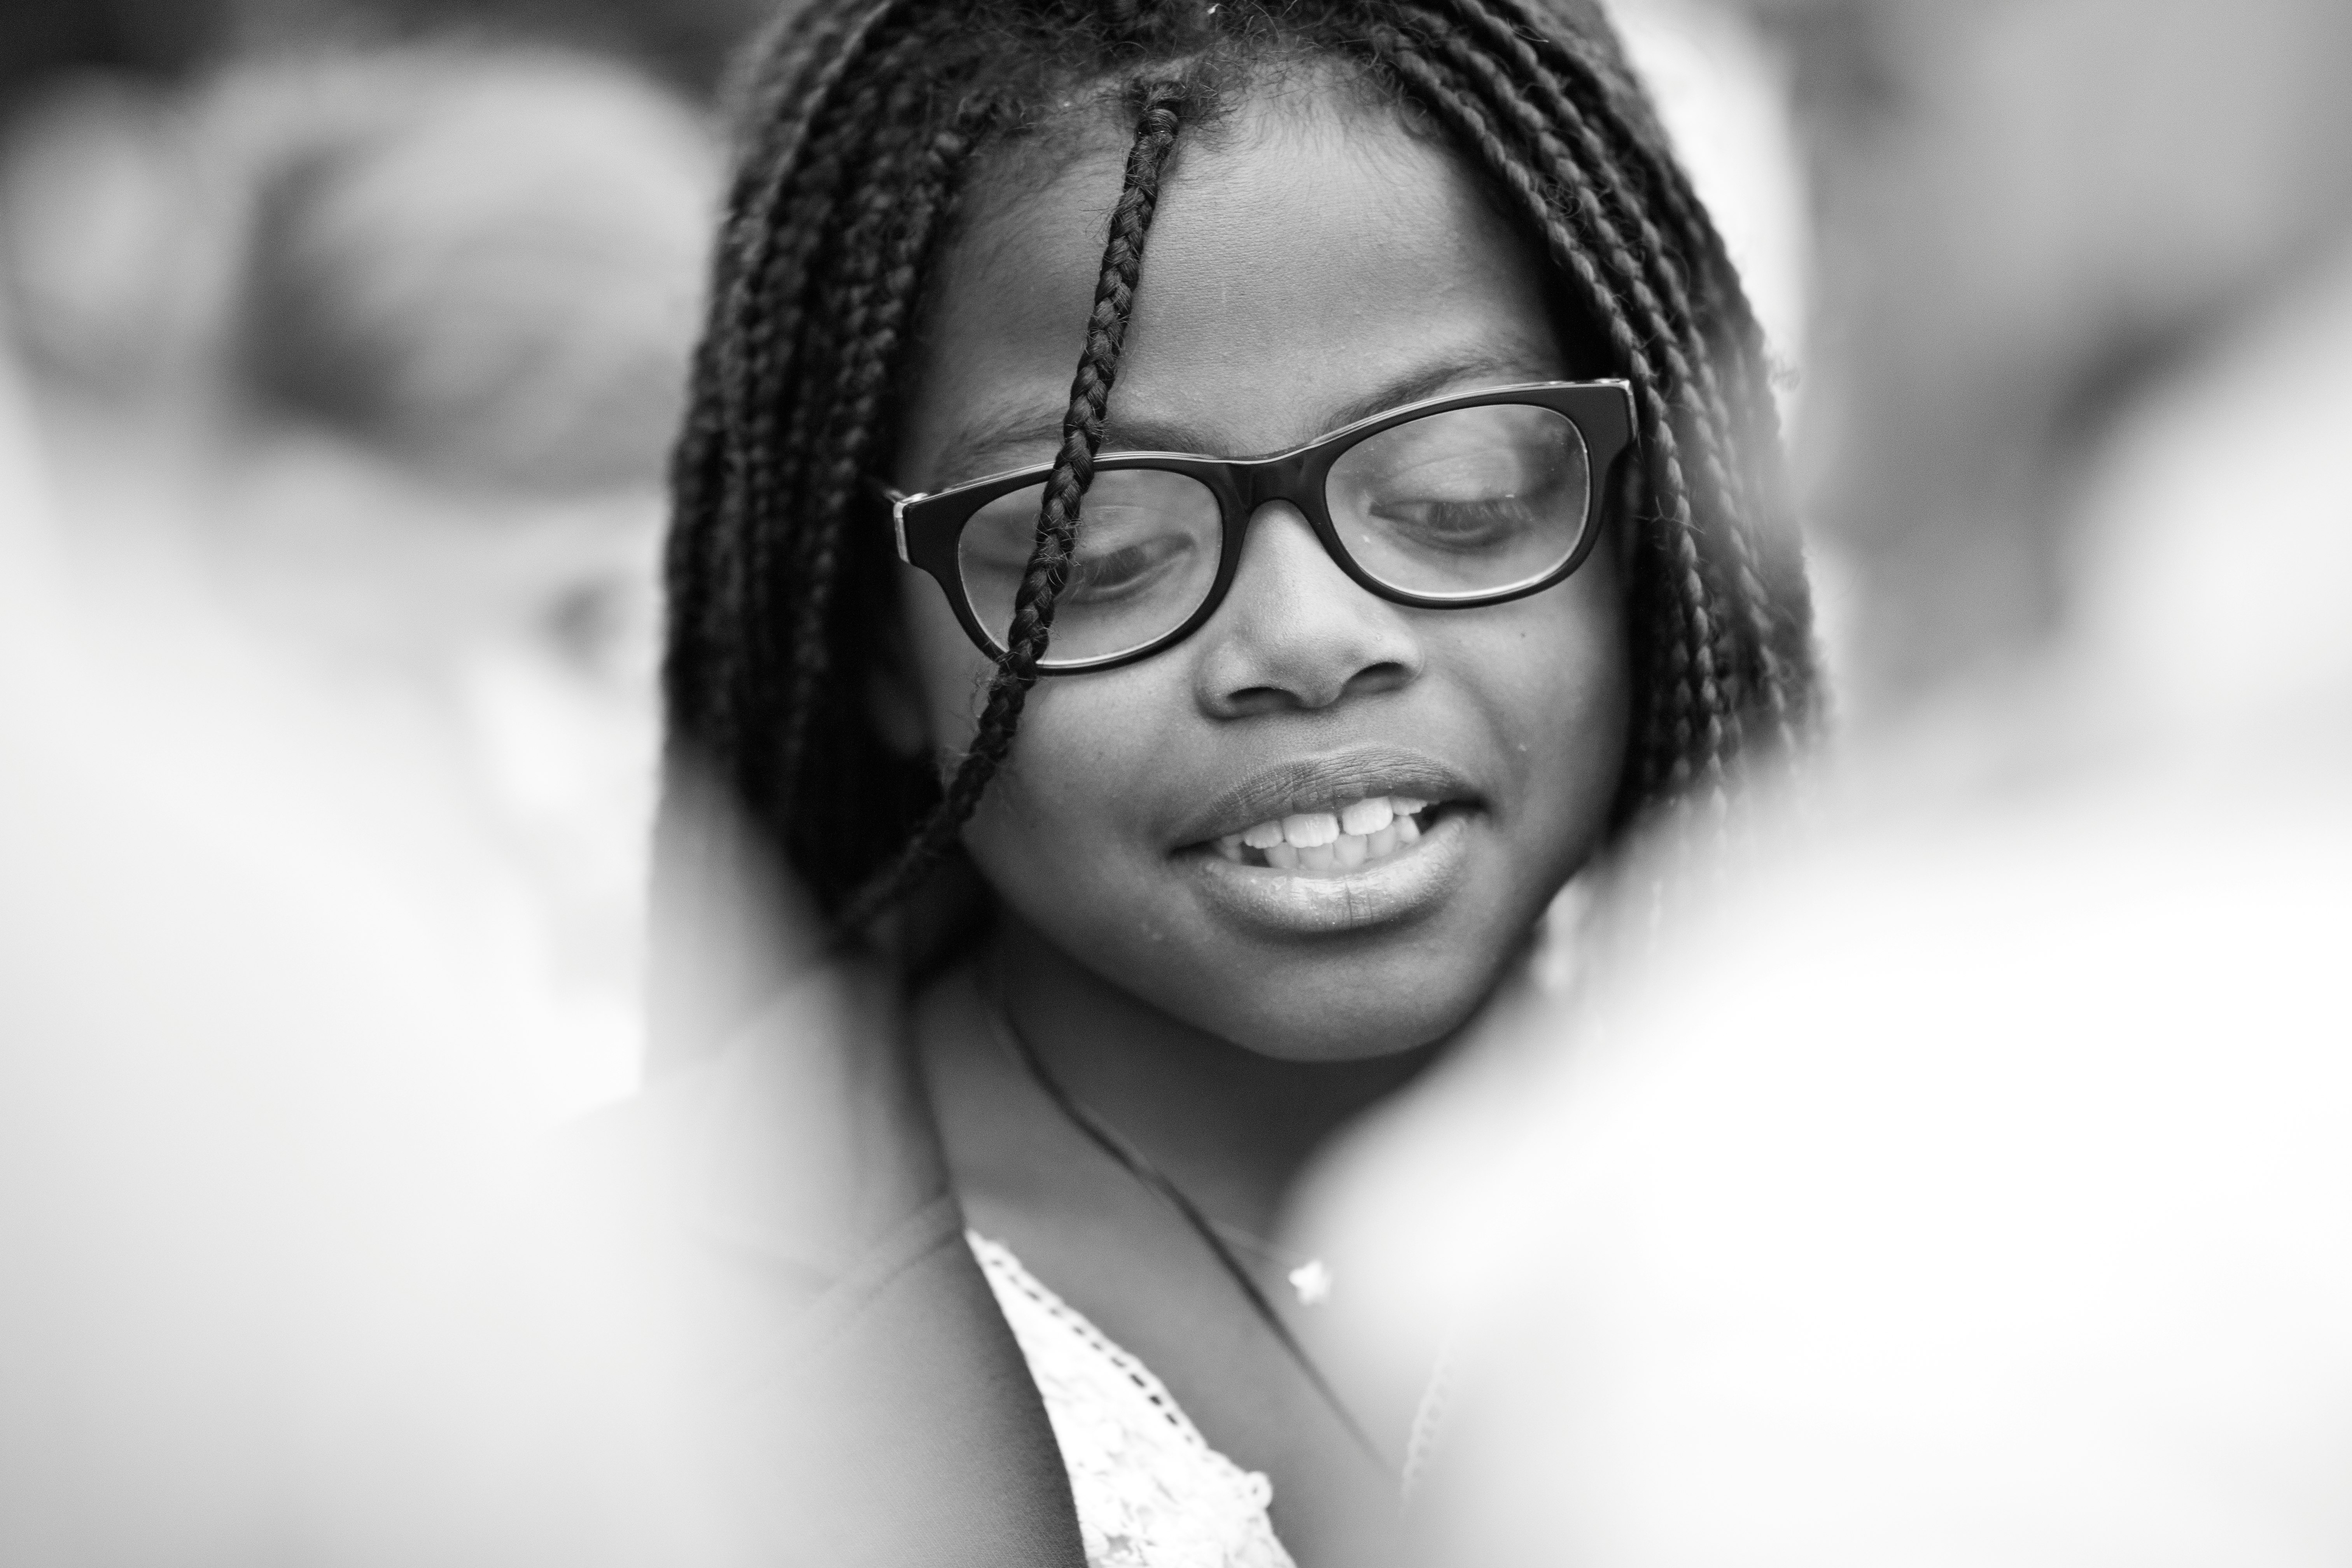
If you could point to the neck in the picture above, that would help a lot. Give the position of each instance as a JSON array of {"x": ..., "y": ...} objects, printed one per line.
[{"x": 1232, "y": 1127}]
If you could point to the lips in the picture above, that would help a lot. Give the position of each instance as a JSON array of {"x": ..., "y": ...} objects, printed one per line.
[
  {"x": 1397, "y": 890},
  {"x": 1360, "y": 832},
  {"x": 1328, "y": 784},
  {"x": 1289, "y": 851}
]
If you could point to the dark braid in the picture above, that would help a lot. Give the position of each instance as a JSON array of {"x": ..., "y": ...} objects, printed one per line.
[
  {"x": 863, "y": 322},
  {"x": 722, "y": 459},
  {"x": 1058, "y": 522},
  {"x": 1777, "y": 609},
  {"x": 865, "y": 149},
  {"x": 857, "y": 124},
  {"x": 1756, "y": 494},
  {"x": 1647, "y": 265},
  {"x": 1651, "y": 270},
  {"x": 1699, "y": 710}
]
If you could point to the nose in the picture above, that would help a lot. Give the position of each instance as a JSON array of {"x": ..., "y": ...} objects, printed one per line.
[{"x": 1297, "y": 634}]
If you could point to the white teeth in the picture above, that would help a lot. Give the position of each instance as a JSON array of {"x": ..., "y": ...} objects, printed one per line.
[
  {"x": 1359, "y": 831},
  {"x": 1310, "y": 829}
]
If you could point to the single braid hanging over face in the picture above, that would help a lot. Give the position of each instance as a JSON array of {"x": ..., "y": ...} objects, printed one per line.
[
  {"x": 859, "y": 124},
  {"x": 1057, "y": 524}
]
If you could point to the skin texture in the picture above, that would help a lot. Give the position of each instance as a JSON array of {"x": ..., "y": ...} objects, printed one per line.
[
  {"x": 1309, "y": 264},
  {"x": 1312, "y": 261}
]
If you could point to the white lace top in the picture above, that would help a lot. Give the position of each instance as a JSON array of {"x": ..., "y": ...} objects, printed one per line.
[{"x": 1150, "y": 1492}]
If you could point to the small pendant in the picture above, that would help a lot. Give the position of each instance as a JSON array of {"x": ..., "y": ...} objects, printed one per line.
[{"x": 1312, "y": 1281}]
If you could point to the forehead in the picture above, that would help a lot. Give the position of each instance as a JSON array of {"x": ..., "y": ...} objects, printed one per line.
[{"x": 1306, "y": 252}]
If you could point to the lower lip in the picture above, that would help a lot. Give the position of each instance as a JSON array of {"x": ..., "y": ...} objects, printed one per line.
[{"x": 1393, "y": 889}]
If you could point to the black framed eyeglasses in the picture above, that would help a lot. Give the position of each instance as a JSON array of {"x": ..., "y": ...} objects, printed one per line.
[{"x": 1449, "y": 503}]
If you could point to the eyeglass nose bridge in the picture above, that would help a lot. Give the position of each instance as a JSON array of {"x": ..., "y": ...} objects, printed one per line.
[{"x": 1293, "y": 477}]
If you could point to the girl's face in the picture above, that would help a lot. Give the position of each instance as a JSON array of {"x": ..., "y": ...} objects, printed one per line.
[{"x": 1309, "y": 264}]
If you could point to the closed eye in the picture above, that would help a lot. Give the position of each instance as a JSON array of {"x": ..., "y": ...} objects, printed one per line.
[
  {"x": 1460, "y": 527},
  {"x": 1103, "y": 577}
]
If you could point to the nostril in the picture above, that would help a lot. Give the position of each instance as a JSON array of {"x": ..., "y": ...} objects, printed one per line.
[
  {"x": 1386, "y": 676},
  {"x": 1308, "y": 695},
  {"x": 1255, "y": 700}
]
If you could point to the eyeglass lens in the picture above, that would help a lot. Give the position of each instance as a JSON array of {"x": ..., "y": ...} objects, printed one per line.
[{"x": 1463, "y": 503}]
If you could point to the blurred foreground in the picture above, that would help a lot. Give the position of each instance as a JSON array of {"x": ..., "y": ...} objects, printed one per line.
[
  {"x": 1968, "y": 1185},
  {"x": 330, "y": 449},
  {"x": 286, "y": 1280}
]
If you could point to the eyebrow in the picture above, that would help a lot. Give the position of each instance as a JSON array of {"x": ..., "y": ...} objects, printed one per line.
[{"x": 991, "y": 444}]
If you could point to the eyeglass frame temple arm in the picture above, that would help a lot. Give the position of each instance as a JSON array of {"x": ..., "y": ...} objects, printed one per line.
[{"x": 898, "y": 499}]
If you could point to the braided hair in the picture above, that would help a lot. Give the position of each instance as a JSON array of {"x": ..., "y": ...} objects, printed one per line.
[{"x": 859, "y": 122}]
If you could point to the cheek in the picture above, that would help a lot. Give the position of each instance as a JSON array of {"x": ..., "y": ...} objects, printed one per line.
[
  {"x": 1073, "y": 830},
  {"x": 952, "y": 675},
  {"x": 1553, "y": 676},
  {"x": 1083, "y": 747}
]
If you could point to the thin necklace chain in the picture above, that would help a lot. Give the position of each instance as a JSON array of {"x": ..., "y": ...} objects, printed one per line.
[{"x": 1150, "y": 1176}]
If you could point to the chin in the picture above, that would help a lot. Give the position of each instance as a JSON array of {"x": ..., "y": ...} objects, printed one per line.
[{"x": 1302, "y": 1027}]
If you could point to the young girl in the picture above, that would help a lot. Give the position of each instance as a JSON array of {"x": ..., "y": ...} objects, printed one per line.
[{"x": 1257, "y": 495}]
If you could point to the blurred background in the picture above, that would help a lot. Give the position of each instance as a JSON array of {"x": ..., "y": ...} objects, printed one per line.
[
  {"x": 352, "y": 340},
  {"x": 343, "y": 345}
]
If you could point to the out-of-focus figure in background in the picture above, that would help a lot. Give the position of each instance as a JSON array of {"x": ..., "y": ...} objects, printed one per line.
[
  {"x": 358, "y": 370},
  {"x": 1972, "y": 1185},
  {"x": 330, "y": 438}
]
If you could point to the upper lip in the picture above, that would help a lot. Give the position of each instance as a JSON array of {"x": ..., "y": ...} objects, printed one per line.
[{"x": 1324, "y": 782}]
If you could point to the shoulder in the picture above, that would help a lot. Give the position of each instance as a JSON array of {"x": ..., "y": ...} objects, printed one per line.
[
  {"x": 800, "y": 1141},
  {"x": 792, "y": 1186}
]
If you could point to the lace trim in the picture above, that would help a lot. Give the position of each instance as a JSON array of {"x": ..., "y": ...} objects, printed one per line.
[
  {"x": 1150, "y": 1492},
  {"x": 1429, "y": 1418}
]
